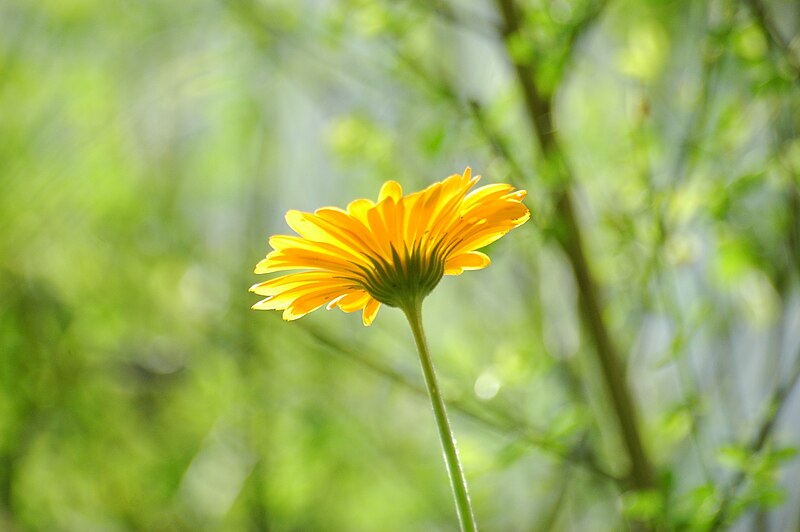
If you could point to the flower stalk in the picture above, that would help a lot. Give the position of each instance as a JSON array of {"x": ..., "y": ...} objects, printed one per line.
[{"x": 458, "y": 482}]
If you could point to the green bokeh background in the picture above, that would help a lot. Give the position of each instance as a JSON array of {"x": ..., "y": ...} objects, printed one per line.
[{"x": 149, "y": 148}]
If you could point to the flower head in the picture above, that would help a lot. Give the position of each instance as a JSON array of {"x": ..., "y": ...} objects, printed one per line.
[{"x": 394, "y": 251}]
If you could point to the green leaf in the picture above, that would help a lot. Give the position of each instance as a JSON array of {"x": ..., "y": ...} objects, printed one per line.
[
  {"x": 642, "y": 505},
  {"x": 782, "y": 455},
  {"x": 733, "y": 457}
]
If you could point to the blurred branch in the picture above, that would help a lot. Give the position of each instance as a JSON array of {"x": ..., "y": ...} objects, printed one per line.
[
  {"x": 254, "y": 20},
  {"x": 759, "y": 440},
  {"x": 257, "y": 23},
  {"x": 687, "y": 152},
  {"x": 774, "y": 37},
  {"x": 685, "y": 158},
  {"x": 578, "y": 30},
  {"x": 277, "y": 43},
  {"x": 499, "y": 145},
  {"x": 501, "y": 422},
  {"x": 9, "y": 55},
  {"x": 443, "y": 10},
  {"x": 793, "y": 239},
  {"x": 539, "y": 107},
  {"x": 472, "y": 110},
  {"x": 549, "y": 519}
]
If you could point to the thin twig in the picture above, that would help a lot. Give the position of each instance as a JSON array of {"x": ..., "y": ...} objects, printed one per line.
[
  {"x": 472, "y": 110},
  {"x": 499, "y": 145},
  {"x": 549, "y": 519},
  {"x": 501, "y": 422},
  {"x": 774, "y": 37},
  {"x": 461, "y": 21},
  {"x": 579, "y": 30},
  {"x": 775, "y": 407}
]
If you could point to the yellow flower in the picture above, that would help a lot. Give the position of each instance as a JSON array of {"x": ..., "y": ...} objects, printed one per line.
[{"x": 394, "y": 251}]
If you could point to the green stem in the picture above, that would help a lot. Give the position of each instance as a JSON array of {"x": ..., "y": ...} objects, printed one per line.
[{"x": 458, "y": 482}]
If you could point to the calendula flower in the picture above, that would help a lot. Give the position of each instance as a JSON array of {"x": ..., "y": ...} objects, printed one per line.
[{"x": 394, "y": 251}]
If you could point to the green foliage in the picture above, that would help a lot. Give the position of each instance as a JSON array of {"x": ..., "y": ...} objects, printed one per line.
[
  {"x": 148, "y": 149},
  {"x": 642, "y": 505}
]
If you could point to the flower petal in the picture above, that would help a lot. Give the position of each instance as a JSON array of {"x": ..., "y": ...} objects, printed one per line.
[
  {"x": 291, "y": 295},
  {"x": 472, "y": 260},
  {"x": 318, "y": 228},
  {"x": 289, "y": 243},
  {"x": 358, "y": 209},
  {"x": 308, "y": 303},
  {"x": 370, "y": 311},
  {"x": 479, "y": 232},
  {"x": 390, "y": 189},
  {"x": 297, "y": 259},
  {"x": 353, "y": 301},
  {"x": 286, "y": 282}
]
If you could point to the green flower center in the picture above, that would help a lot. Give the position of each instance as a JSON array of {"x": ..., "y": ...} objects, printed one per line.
[{"x": 405, "y": 280}]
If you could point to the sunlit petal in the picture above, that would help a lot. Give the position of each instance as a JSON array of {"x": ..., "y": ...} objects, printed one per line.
[
  {"x": 390, "y": 189},
  {"x": 370, "y": 311},
  {"x": 472, "y": 260}
]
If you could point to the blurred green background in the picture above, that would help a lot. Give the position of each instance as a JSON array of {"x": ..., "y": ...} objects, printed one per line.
[{"x": 149, "y": 148}]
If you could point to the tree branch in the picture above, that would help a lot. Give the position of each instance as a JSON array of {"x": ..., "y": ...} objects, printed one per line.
[{"x": 539, "y": 108}]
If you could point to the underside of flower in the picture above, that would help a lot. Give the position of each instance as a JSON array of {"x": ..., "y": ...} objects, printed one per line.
[
  {"x": 394, "y": 251},
  {"x": 408, "y": 278}
]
